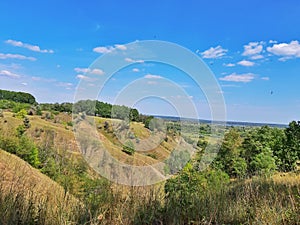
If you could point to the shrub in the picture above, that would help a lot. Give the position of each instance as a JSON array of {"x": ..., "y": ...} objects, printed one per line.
[
  {"x": 21, "y": 114},
  {"x": 129, "y": 148}
]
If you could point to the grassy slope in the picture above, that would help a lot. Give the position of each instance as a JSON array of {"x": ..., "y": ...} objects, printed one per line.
[
  {"x": 64, "y": 139},
  {"x": 26, "y": 194}
]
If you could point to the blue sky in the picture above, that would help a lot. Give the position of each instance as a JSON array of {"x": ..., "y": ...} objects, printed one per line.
[{"x": 252, "y": 47}]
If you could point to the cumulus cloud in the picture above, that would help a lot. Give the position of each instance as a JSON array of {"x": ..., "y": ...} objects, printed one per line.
[
  {"x": 246, "y": 63},
  {"x": 152, "y": 76},
  {"x": 108, "y": 49},
  {"x": 10, "y": 74},
  {"x": 16, "y": 56},
  {"x": 244, "y": 78},
  {"x": 253, "y": 48},
  {"x": 286, "y": 50},
  {"x": 214, "y": 53},
  {"x": 136, "y": 70},
  {"x": 229, "y": 64},
  {"x": 30, "y": 47}
]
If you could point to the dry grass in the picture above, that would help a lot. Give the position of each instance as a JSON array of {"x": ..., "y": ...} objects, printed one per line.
[{"x": 27, "y": 195}]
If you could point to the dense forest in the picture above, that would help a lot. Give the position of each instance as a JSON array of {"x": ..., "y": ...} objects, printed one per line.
[{"x": 254, "y": 179}]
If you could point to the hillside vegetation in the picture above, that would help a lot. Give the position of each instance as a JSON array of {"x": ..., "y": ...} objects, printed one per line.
[{"x": 44, "y": 178}]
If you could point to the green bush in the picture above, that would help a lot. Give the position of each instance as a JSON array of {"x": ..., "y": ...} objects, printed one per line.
[{"x": 129, "y": 148}]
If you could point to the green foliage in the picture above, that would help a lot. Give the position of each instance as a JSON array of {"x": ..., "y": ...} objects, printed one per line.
[
  {"x": 202, "y": 143},
  {"x": 264, "y": 162},
  {"x": 129, "y": 148},
  {"x": 106, "y": 110},
  {"x": 20, "y": 130},
  {"x": 229, "y": 157},
  {"x": 184, "y": 191},
  {"x": 6, "y": 104},
  {"x": 262, "y": 144},
  {"x": 22, "y": 146},
  {"x": 134, "y": 115},
  {"x": 21, "y": 97},
  {"x": 291, "y": 153},
  {"x": 21, "y": 114},
  {"x": 146, "y": 120}
]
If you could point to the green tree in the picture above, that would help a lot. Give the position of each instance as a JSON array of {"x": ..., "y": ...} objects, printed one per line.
[
  {"x": 28, "y": 151},
  {"x": 134, "y": 115},
  {"x": 264, "y": 162},
  {"x": 229, "y": 157},
  {"x": 262, "y": 144},
  {"x": 291, "y": 153}
]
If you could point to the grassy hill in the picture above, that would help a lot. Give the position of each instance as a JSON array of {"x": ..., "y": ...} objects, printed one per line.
[
  {"x": 27, "y": 195},
  {"x": 63, "y": 189}
]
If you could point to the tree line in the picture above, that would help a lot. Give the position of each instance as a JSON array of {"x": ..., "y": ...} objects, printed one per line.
[{"x": 20, "y": 97}]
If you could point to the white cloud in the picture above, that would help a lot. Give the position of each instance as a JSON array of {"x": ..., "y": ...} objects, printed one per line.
[
  {"x": 121, "y": 47},
  {"x": 265, "y": 78},
  {"x": 134, "y": 60},
  {"x": 253, "y": 48},
  {"x": 273, "y": 42},
  {"x": 88, "y": 70},
  {"x": 246, "y": 63},
  {"x": 81, "y": 70},
  {"x": 7, "y": 73},
  {"x": 30, "y": 47},
  {"x": 16, "y": 56},
  {"x": 287, "y": 50},
  {"x": 136, "y": 70},
  {"x": 214, "y": 53},
  {"x": 229, "y": 64},
  {"x": 103, "y": 50},
  {"x": 244, "y": 78},
  {"x": 108, "y": 49},
  {"x": 24, "y": 83},
  {"x": 254, "y": 57},
  {"x": 152, "y": 76},
  {"x": 82, "y": 77},
  {"x": 283, "y": 59},
  {"x": 97, "y": 72}
]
